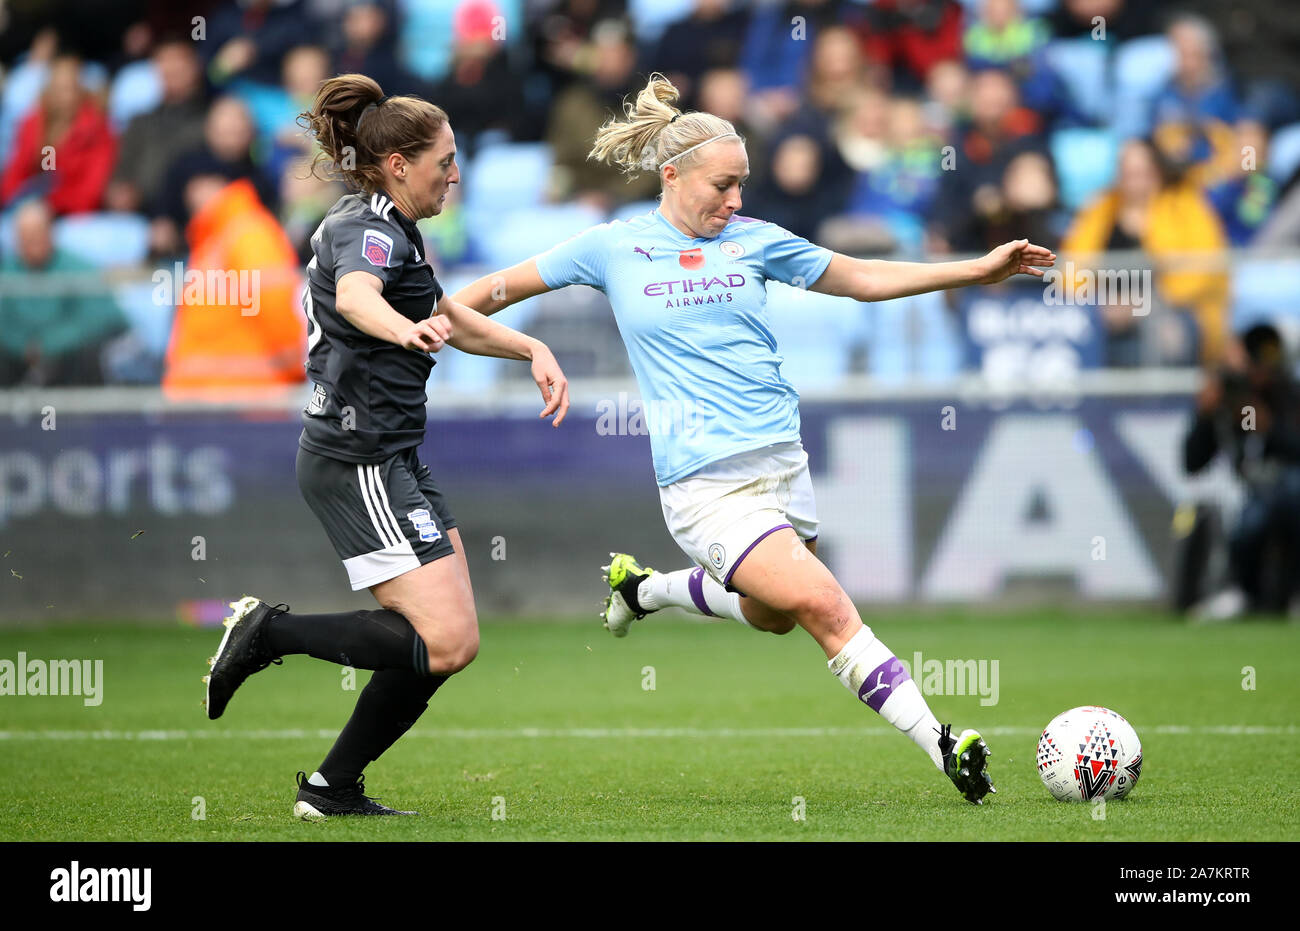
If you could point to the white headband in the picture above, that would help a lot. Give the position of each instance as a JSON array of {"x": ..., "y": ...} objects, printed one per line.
[{"x": 668, "y": 161}]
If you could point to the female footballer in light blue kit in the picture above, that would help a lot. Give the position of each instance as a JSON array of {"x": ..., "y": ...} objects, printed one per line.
[{"x": 687, "y": 285}]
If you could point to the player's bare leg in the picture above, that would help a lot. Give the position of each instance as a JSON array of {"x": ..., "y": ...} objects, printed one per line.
[
  {"x": 438, "y": 600},
  {"x": 781, "y": 575}
]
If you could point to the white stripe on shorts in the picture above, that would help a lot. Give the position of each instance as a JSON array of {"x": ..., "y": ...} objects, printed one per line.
[
  {"x": 381, "y": 530},
  {"x": 386, "y": 510}
]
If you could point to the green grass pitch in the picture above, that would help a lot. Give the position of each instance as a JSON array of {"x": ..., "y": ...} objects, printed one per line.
[{"x": 552, "y": 734}]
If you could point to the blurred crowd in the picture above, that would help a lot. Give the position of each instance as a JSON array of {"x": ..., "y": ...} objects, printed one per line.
[{"x": 890, "y": 127}]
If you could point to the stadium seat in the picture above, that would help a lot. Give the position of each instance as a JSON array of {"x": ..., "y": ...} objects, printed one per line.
[
  {"x": 651, "y": 17},
  {"x": 519, "y": 234},
  {"x": 149, "y": 320},
  {"x": 423, "y": 19},
  {"x": 500, "y": 180},
  {"x": 816, "y": 334},
  {"x": 271, "y": 107},
  {"x": 94, "y": 76},
  {"x": 1142, "y": 67},
  {"x": 1284, "y": 153},
  {"x": 502, "y": 177},
  {"x": 1081, "y": 65},
  {"x": 1264, "y": 289},
  {"x": 1085, "y": 163},
  {"x": 21, "y": 89},
  {"x": 7, "y": 242},
  {"x": 940, "y": 353},
  {"x": 913, "y": 337},
  {"x": 109, "y": 240},
  {"x": 1027, "y": 7},
  {"x": 136, "y": 89}
]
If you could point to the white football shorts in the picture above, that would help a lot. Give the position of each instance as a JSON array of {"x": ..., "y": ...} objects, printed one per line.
[{"x": 720, "y": 513}]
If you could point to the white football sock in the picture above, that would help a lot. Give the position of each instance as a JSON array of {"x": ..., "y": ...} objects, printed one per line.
[
  {"x": 692, "y": 590},
  {"x": 871, "y": 672},
  {"x": 316, "y": 779}
]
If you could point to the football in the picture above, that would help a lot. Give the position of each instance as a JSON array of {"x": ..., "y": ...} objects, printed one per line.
[{"x": 1089, "y": 753}]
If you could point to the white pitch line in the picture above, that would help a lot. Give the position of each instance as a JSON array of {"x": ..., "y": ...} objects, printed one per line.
[{"x": 611, "y": 733}]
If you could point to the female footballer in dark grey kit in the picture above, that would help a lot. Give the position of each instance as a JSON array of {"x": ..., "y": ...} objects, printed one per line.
[{"x": 375, "y": 312}]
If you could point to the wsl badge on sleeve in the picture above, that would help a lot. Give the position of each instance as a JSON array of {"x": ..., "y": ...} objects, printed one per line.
[{"x": 377, "y": 248}]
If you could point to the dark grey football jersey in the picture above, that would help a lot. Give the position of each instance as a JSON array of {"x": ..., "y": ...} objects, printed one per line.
[{"x": 368, "y": 394}]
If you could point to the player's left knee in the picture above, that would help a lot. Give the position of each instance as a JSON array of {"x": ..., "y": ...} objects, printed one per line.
[{"x": 450, "y": 658}]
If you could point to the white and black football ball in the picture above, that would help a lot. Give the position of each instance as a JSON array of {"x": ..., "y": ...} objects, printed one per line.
[{"x": 1089, "y": 753}]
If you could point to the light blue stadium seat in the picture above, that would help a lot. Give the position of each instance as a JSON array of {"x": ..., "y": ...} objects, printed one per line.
[
  {"x": 651, "y": 17},
  {"x": 940, "y": 351},
  {"x": 94, "y": 76},
  {"x": 7, "y": 239},
  {"x": 816, "y": 334},
  {"x": 1081, "y": 65},
  {"x": 148, "y": 319},
  {"x": 913, "y": 337},
  {"x": 21, "y": 90},
  {"x": 519, "y": 234},
  {"x": 1263, "y": 289},
  {"x": 109, "y": 240},
  {"x": 510, "y": 175},
  {"x": 1142, "y": 67},
  {"x": 1085, "y": 163},
  {"x": 889, "y": 356},
  {"x": 1284, "y": 152},
  {"x": 1027, "y": 7},
  {"x": 136, "y": 89},
  {"x": 427, "y": 33}
]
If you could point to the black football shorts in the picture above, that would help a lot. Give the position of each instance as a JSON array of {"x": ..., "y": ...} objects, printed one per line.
[{"x": 384, "y": 519}]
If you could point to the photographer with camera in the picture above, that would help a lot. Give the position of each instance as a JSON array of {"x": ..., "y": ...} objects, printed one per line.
[{"x": 1250, "y": 408}]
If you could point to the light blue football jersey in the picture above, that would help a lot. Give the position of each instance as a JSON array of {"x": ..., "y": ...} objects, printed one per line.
[{"x": 694, "y": 316}]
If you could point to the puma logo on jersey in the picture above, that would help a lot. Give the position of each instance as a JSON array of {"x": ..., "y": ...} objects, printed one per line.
[{"x": 645, "y": 253}]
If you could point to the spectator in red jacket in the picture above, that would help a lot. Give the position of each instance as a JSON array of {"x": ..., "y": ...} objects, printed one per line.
[{"x": 65, "y": 149}]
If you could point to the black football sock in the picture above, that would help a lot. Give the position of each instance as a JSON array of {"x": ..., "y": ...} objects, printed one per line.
[
  {"x": 378, "y": 639},
  {"x": 387, "y": 707}
]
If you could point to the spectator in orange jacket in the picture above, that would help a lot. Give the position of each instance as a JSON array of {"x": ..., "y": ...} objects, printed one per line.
[
  {"x": 238, "y": 332},
  {"x": 1173, "y": 223},
  {"x": 65, "y": 149}
]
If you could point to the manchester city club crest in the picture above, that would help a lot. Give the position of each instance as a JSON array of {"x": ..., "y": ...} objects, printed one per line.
[{"x": 717, "y": 555}]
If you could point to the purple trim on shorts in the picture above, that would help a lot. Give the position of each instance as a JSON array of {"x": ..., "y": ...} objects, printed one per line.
[
  {"x": 881, "y": 682},
  {"x": 697, "y": 591},
  {"x": 812, "y": 539},
  {"x": 761, "y": 537}
]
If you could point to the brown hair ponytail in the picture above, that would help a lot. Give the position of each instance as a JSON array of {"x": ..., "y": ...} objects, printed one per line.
[{"x": 357, "y": 127}]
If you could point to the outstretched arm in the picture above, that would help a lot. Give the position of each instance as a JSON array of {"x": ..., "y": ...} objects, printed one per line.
[
  {"x": 500, "y": 289},
  {"x": 476, "y": 334},
  {"x": 879, "y": 280}
]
